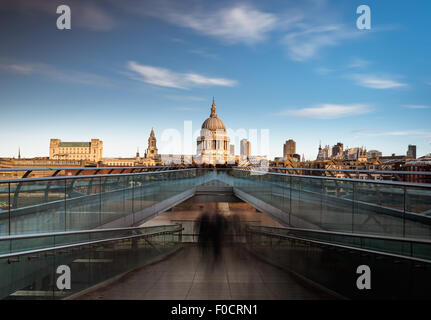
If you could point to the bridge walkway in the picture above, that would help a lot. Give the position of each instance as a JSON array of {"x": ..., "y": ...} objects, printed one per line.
[{"x": 186, "y": 275}]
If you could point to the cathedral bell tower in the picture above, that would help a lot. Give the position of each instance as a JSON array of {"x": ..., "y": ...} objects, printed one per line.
[{"x": 152, "y": 152}]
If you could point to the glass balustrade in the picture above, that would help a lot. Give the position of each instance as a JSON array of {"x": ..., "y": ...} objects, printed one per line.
[
  {"x": 30, "y": 268},
  {"x": 345, "y": 205},
  {"x": 75, "y": 203}
]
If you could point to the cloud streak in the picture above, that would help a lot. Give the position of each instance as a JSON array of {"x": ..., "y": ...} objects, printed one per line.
[
  {"x": 418, "y": 107},
  {"x": 328, "y": 111},
  {"x": 52, "y": 72},
  {"x": 241, "y": 23},
  {"x": 237, "y": 23},
  {"x": 303, "y": 28},
  {"x": 359, "y": 63},
  {"x": 307, "y": 43},
  {"x": 376, "y": 82},
  {"x": 166, "y": 78},
  {"x": 422, "y": 133}
]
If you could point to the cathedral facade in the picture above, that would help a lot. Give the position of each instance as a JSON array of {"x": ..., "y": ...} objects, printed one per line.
[{"x": 213, "y": 144}]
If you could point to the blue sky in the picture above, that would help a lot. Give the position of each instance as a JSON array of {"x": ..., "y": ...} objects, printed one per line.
[{"x": 298, "y": 68}]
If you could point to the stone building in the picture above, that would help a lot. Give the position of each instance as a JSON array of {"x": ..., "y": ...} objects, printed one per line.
[
  {"x": 323, "y": 153},
  {"x": 213, "y": 145},
  {"x": 152, "y": 153},
  {"x": 374, "y": 154},
  {"x": 411, "y": 152},
  {"x": 245, "y": 148},
  {"x": 289, "y": 148},
  {"x": 89, "y": 151},
  {"x": 151, "y": 157},
  {"x": 337, "y": 150}
]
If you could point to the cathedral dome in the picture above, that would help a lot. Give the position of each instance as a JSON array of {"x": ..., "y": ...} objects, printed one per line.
[{"x": 213, "y": 123}]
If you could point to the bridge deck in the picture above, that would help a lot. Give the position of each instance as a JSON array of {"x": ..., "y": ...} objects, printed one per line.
[{"x": 186, "y": 275}]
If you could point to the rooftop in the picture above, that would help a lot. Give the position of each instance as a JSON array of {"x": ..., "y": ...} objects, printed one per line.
[{"x": 74, "y": 144}]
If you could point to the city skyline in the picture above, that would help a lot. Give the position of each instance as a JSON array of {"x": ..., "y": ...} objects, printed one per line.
[
  {"x": 240, "y": 138},
  {"x": 306, "y": 75}
]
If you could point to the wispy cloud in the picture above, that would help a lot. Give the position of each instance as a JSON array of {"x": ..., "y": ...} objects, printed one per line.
[
  {"x": 241, "y": 23},
  {"x": 303, "y": 28},
  {"x": 372, "y": 133},
  {"x": 418, "y": 107},
  {"x": 186, "y": 108},
  {"x": 185, "y": 98},
  {"x": 328, "y": 111},
  {"x": 52, "y": 72},
  {"x": 178, "y": 40},
  {"x": 238, "y": 23},
  {"x": 324, "y": 71},
  {"x": 167, "y": 78},
  {"x": 204, "y": 53},
  {"x": 377, "y": 82},
  {"x": 309, "y": 40},
  {"x": 358, "y": 63}
]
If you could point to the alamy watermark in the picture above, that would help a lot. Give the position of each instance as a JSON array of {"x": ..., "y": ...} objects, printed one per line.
[
  {"x": 364, "y": 20},
  {"x": 64, "y": 21},
  {"x": 364, "y": 280},
  {"x": 64, "y": 278}
]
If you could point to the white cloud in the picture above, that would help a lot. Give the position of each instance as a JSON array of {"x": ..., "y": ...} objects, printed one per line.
[
  {"x": 204, "y": 53},
  {"x": 418, "y": 107},
  {"x": 167, "y": 78},
  {"x": 307, "y": 43},
  {"x": 18, "y": 68},
  {"x": 324, "y": 71},
  {"x": 185, "y": 98},
  {"x": 240, "y": 23},
  {"x": 55, "y": 73},
  {"x": 305, "y": 27},
  {"x": 358, "y": 63},
  {"x": 376, "y": 82},
  {"x": 328, "y": 111},
  {"x": 423, "y": 133},
  {"x": 237, "y": 24},
  {"x": 186, "y": 108},
  {"x": 201, "y": 80}
]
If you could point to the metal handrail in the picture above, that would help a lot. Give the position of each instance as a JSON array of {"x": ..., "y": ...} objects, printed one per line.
[
  {"x": 353, "y": 170},
  {"x": 341, "y": 246},
  {"x": 83, "y": 168},
  {"x": 359, "y": 235},
  {"x": 90, "y": 176},
  {"x": 178, "y": 166},
  {"x": 80, "y": 244},
  {"x": 66, "y": 233},
  {"x": 398, "y": 183}
]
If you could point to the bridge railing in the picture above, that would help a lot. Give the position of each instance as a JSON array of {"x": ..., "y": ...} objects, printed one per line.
[
  {"x": 334, "y": 266},
  {"x": 409, "y": 247},
  {"x": 35, "y": 265},
  {"x": 387, "y": 175},
  {"x": 54, "y": 204},
  {"x": 345, "y": 205},
  {"x": 76, "y": 171}
]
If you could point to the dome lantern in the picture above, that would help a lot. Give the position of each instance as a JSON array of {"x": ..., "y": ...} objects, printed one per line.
[{"x": 213, "y": 123}]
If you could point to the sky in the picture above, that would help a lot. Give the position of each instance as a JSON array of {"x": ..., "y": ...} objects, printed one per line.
[{"x": 301, "y": 70}]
